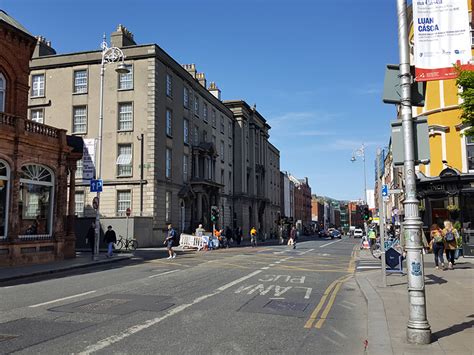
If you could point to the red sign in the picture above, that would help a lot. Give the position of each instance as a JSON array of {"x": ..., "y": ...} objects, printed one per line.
[
  {"x": 95, "y": 203},
  {"x": 128, "y": 211}
]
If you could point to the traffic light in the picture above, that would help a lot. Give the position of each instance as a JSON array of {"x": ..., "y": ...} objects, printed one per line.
[
  {"x": 214, "y": 213},
  {"x": 366, "y": 214}
]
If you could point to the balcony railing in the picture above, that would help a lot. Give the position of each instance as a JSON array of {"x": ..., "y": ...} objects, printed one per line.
[{"x": 23, "y": 125}]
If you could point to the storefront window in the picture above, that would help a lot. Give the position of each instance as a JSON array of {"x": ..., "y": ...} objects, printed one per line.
[
  {"x": 470, "y": 152},
  {"x": 36, "y": 200},
  {"x": 4, "y": 189}
]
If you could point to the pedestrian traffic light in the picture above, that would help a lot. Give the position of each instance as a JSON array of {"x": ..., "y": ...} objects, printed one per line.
[{"x": 214, "y": 213}]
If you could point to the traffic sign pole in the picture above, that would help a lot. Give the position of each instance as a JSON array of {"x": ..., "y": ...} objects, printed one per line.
[{"x": 382, "y": 190}]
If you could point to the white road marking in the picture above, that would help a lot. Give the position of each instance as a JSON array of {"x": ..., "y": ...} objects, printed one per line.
[
  {"x": 325, "y": 245},
  {"x": 149, "y": 323},
  {"x": 264, "y": 268},
  {"x": 277, "y": 298},
  {"x": 163, "y": 273},
  {"x": 349, "y": 303},
  {"x": 368, "y": 267},
  {"x": 271, "y": 265},
  {"x": 304, "y": 252},
  {"x": 62, "y": 299},
  {"x": 277, "y": 262},
  {"x": 338, "y": 332}
]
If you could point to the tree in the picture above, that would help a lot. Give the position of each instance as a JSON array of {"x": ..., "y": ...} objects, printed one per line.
[{"x": 466, "y": 81}]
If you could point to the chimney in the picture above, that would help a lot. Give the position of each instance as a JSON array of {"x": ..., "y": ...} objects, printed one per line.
[
  {"x": 191, "y": 69},
  {"x": 122, "y": 37},
  {"x": 201, "y": 77},
  {"x": 214, "y": 90},
  {"x": 43, "y": 47}
]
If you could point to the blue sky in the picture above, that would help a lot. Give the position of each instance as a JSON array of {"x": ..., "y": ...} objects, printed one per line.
[{"x": 314, "y": 68}]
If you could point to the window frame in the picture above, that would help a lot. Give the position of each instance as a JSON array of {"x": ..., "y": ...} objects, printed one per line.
[
  {"x": 76, "y": 212},
  {"x": 213, "y": 118},
  {"x": 37, "y": 110},
  {"x": 185, "y": 167},
  {"x": 3, "y": 92},
  {"x": 6, "y": 180},
  {"x": 205, "y": 111},
  {"x": 118, "y": 201},
  {"x": 121, "y": 75},
  {"x": 168, "y": 198},
  {"x": 169, "y": 122},
  {"x": 119, "y": 106},
  {"x": 186, "y": 131},
  {"x": 120, "y": 167},
  {"x": 41, "y": 90},
  {"x": 74, "y": 108},
  {"x": 470, "y": 143},
  {"x": 169, "y": 85},
  {"x": 186, "y": 97},
  {"x": 74, "y": 82},
  {"x": 168, "y": 162},
  {"x": 222, "y": 125},
  {"x": 196, "y": 105}
]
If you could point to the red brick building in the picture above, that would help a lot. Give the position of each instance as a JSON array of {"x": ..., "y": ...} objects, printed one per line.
[
  {"x": 317, "y": 211},
  {"x": 35, "y": 160},
  {"x": 302, "y": 201}
]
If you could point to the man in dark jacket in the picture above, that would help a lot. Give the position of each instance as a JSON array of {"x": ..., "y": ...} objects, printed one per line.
[
  {"x": 90, "y": 237},
  {"x": 110, "y": 238}
]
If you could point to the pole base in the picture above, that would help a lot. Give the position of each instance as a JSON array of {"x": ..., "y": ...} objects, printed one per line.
[{"x": 419, "y": 336}]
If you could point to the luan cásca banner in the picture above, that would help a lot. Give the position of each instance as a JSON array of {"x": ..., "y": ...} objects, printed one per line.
[{"x": 442, "y": 38}]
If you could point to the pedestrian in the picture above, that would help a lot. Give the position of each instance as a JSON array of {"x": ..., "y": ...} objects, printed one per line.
[
  {"x": 90, "y": 237},
  {"x": 229, "y": 236},
  {"x": 238, "y": 235},
  {"x": 253, "y": 237},
  {"x": 437, "y": 244},
  {"x": 292, "y": 239},
  {"x": 450, "y": 242},
  {"x": 169, "y": 241},
  {"x": 110, "y": 238},
  {"x": 372, "y": 238}
]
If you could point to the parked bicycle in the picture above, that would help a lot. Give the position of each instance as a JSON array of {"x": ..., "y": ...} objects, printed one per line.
[{"x": 127, "y": 244}]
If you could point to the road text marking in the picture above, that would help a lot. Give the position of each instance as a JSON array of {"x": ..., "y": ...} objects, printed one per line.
[
  {"x": 325, "y": 245},
  {"x": 61, "y": 299}
]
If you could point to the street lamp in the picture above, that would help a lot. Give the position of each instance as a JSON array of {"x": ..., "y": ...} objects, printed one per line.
[
  {"x": 109, "y": 55},
  {"x": 360, "y": 152}
]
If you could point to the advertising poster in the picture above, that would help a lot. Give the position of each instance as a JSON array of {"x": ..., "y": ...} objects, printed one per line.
[
  {"x": 88, "y": 159},
  {"x": 442, "y": 38}
]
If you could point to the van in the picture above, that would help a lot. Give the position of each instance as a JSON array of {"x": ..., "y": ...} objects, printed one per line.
[{"x": 358, "y": 233}]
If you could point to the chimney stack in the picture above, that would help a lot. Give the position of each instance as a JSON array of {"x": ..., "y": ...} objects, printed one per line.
[
  {"x": 43, "y": 47},
  {"x": 201, "y": 77},
  {"x": 191, "y": 69},
  {"x": 214, "y": 90},
  {"x": 122, "y": 37}
]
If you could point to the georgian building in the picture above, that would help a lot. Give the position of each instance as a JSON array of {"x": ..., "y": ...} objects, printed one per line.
[{"x": 36, "y": 223}]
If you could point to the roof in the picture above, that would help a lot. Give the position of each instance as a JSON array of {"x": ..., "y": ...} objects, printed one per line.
[{"x": 12, "y": 22}]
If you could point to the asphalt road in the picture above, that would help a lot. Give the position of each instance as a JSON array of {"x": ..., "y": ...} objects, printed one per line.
[{"x": 269, "y": 299}]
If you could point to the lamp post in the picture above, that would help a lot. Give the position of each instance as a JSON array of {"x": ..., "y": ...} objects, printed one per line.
[
  {"x": 360, "y": 152},
  {"x": 109, "y": 55}
]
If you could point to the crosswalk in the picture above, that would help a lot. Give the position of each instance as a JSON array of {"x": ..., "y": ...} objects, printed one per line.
[{"x": 367, "y": 264}]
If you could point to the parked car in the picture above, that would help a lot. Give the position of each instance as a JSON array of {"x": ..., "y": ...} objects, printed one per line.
[
  {"x": 335, "y": 234},
  {"x": 358, "y": 233}
]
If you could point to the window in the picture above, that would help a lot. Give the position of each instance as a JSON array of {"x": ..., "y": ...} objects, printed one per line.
[
  {"x": 222, "y": 150},
  {"x": 230, "y": 130},
  {"x": 124, "y": 201},
  {"x": 470, "y": 152},
  {"x": 222, "y": 124},
  {"x": 186, "y": 131},
  {"x": 125, "y": 116},
  {"x": 213, "y": 118},
  {"x": 35, "y": 200},
  {"x": 124, "y": 160},
  {"x": 230, "y": 182},
  {"x": 168, "y": 206},
  {"x": 186, "y": 97},
  {"x": 37, "y": 116},
  {"x": 79, "y": 170},
  {"x": 79, "y": 199},
  {"x": 196, "y": 135},
  {"x": 169, "y": 85},
  {"x": 204, "y": 112},
  {"x": 222, "y": 176},
  {"x": 230, "y": 154},
  {"x": 37, "y": 85},
  {"x": 185, "y": 167},
  {"x": 169, "y": 117},
  {"x": 4, "y": 198},
  {"x": 79, "y": 119},
  {"x": 3, "y": 89},
  {"x": 196, "y": 105},
  {"x": 126, "y": 79},
  {"x": 80, "y": 81},
  {"x": 204, "y": 135},
  {"x": 168, "y": 163}
]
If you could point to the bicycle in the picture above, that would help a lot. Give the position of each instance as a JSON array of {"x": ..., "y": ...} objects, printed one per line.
[{"x": 127, "y": 244}]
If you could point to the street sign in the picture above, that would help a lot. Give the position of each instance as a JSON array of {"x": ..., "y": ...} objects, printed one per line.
[
  {"x": 95, "y": 202},
  {"x": 395, "y": 191},
  {"x": 384, "y": 190},
  {"x": 128, "y": 211},
  {"x": 96, "y": 185}
]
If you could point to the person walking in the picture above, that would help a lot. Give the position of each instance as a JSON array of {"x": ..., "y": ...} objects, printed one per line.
[
  {"x": 110, "y": 239},
  {"x": 253, "y": 237},
  {"x": 372, "y": 238},
  {"x": 292, "y": 239},
  {"x": 238, "y": 235},
  {"x": 437, "y": 244},
  {"x": 450, "y": 242},
  {"x": 169, "y": 241},
  {"x": 229, "y": 235},
  {"x": 90, "y": 237}
]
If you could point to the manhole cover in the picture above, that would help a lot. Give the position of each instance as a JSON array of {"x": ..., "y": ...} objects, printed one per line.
[
  {"x": 102, "y": 305},
  {"x": 4, "y": 337},
  {"x": 286, "y": 306}
]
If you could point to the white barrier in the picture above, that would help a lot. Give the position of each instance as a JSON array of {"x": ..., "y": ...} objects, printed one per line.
[{"x": 191, "y": 241}]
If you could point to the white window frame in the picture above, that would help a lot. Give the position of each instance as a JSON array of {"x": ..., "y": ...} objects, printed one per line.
[
  {"x": 185, "y": 167},
  {"x": 125, "y": 80},
  {"x": 3, "y": 92},
  {"x": 37, "y": 87},
  {"x": 186, "y": 97},
  {"x": 125, "y": 118},
  {"x": 74, "y": 117},
  {"x": 35, "y": 113},
  {"x": 169, "y": 85},
  {"x": 124, "y": 170},
  {"x": 79, "y": 204},
  {"x": 79, "y": 170},
  {"x": 5, "y": 181},
  {"x": 186, "y": 131},
  {"x": 122, "y": 202},
  {"x": 169, "y": 122},
  {"x": 168, "y": 206},
  {"x": 79, "y": 83},
  {"x": 168, "y": 163}
]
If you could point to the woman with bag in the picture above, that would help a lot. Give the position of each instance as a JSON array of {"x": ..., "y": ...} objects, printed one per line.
[
  {"x": 450, "y": 238},
  {"x": 437, "y": 244}
]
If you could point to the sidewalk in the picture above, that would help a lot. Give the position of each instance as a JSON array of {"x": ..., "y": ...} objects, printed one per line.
[
  {"x": 82, "y": 260},
  {"x": 450, "y": 308}
]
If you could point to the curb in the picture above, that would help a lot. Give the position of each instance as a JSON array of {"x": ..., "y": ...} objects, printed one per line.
[
  {"x": 377, "y": 325},
  {"x": 67, "y": 268}
]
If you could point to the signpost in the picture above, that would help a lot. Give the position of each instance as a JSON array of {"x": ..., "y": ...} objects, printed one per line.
[
  {"x": 95, "y": 202},
  {"x": 384, "y": 190},
  {"x": 128, "y": 212},
  {"x": 96, "y": 185}
]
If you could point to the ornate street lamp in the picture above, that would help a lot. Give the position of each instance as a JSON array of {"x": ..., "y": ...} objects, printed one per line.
[{"x": 360, "y": 152}]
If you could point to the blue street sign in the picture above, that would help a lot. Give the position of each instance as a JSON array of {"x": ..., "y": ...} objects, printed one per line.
[
  {"x": 96, "y": 185},
  {"x": 384, "y": 190}
]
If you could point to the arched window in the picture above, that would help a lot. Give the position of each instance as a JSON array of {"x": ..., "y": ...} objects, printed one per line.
[
  {"x": 36, "y": 201},
  {"x": 3, "y": 88},
  {"x": 4, "y": 193}
]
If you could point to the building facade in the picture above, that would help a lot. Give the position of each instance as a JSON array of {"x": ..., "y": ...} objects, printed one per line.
[
  {"x": 287, "y": 196},
  {"x": 302, "y": 201},
  {"x": 36, "y": 223}
]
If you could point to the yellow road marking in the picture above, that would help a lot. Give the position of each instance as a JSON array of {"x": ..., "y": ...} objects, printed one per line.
[
  {"x": 325, "y": 313},
  {"x": 314, "y": 315}
]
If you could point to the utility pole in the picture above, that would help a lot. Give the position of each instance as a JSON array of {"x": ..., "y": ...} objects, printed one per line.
[
  {"x": 141, "y": 172},
  {"x": 381, "y": 218},
  {"x": 418, "y": 328}
]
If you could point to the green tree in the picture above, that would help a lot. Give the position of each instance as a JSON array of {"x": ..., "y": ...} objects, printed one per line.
[{"x": 466, "y": 81}]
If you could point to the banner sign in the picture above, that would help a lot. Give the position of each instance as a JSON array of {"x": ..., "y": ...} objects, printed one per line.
[
  {"x": 88, "y": 159},
  {"x": 442, "y": 38}
]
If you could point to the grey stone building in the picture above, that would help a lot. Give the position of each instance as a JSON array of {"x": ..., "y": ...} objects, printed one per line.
[{"x": 187, "y": 133}]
